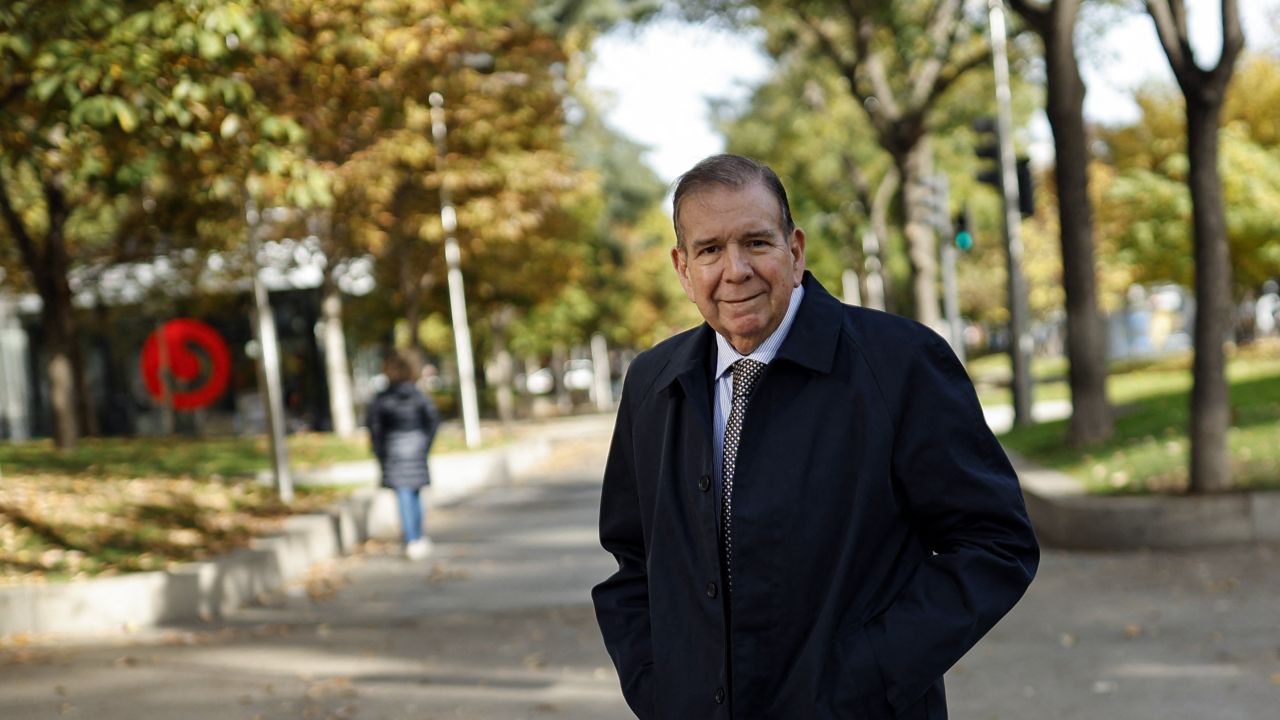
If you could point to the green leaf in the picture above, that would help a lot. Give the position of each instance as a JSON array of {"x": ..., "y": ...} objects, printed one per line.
[
  {"x": 96, "y": 111},
  {"x": 46, "y": 87},
  {"x": 125, "y": 114},
  {"x": 230, "y": 126}
]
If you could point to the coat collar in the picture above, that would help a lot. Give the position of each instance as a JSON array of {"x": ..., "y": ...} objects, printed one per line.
[
  {"x": 689, "y": 361},
  {"x": 810, "y": 343},
  {"x": 816, "y": 329}
]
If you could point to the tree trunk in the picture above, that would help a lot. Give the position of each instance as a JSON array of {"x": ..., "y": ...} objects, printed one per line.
[
  {"x": 1092, "y": 421},
  {"x": 504, "y": 366},
  {"x": 61, "y": 337},
  {"x": 411, "y": 291},
  {"x": 1210, "y": 403},
  {"x": 1205, "y": 92},
  {"x": 914, "y": 167},
  {"x": 559, "y": 358},
  {"x": 58, "y": 338},
  {"x": 48, "y": 264},
  {"x": 337, "y": 374},
  {"x": 504, "y": 373},
  {"x": 86, "y": 416}
]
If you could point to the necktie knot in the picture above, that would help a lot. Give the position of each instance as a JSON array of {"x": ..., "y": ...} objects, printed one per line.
[{"x": 746, "y": 373}]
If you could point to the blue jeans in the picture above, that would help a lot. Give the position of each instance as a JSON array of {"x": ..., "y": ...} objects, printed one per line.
[{"x": 410, "y": 513}]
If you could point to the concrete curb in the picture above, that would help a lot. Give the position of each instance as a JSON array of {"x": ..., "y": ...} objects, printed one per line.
[
  {"x": 209, "y": 589},
  {"x": 1065, "y": 516}
]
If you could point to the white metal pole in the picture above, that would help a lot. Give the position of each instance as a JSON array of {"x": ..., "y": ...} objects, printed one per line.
[
  {"x": 269, "y": 364},
  {"x": 457, "y": 297},
  {"x": 603, "y": 386},
  {"x": 1020, "y": 341}
]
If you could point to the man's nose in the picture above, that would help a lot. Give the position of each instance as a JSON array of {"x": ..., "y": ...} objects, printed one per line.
[{"x": 737, "y": 263}]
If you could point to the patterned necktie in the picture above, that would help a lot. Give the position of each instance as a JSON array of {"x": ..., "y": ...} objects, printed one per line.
[{"x": 746, "y": 373}]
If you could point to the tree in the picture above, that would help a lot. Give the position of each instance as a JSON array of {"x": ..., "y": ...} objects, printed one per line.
[
  {"x": 364, "y": 99},
  {"x": 839, "y": 180},
  {"x": 98, "y": 99},
  {"x": 1145, "y": 211},
  {"x": 618, "y": 229},
  {"x": 1205, "y": 93},
  {"x": 1091, "y": 415},
  {"x": 898, "y": 60}
]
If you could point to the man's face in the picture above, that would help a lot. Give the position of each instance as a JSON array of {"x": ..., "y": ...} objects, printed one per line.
[{"x": 736, "y": 263}]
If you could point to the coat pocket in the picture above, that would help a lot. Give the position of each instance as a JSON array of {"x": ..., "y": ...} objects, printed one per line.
[{"x": 853, "y": 682}]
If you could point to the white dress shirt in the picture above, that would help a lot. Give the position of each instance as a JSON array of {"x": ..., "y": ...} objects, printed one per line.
[{"x": 726, "y": 356}]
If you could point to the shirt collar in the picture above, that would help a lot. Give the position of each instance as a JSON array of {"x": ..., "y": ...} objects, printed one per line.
[{"x": 726, "y": 355}]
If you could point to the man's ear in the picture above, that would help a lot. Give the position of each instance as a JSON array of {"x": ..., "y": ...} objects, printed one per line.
[
  {"x": 797, "y": 256},
  {"x": 681, "y": 264}
]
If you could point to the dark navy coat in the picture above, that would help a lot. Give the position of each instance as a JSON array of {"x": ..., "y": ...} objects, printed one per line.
[
  {"x": 402, "y": 425},
  {"x": 879, "y": 530}
]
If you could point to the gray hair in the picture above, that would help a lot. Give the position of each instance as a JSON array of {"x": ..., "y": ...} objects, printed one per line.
[{"x": 731, "y": 171}]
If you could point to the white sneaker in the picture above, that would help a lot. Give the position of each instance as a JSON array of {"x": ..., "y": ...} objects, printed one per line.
[{"x": 418, "y": 549}]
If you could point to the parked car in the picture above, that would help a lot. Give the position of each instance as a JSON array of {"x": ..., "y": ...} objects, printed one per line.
[{"x": 579, "y": 374}]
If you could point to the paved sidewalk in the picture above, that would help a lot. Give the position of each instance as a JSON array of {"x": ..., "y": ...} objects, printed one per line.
[{"x": 498, "y": 626}]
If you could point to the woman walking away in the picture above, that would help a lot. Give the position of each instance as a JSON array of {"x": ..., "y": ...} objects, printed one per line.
[{"x": 402, "y": 424}]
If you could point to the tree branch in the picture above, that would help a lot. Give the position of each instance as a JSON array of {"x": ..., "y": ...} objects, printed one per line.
[
  {"x": 864, "y": 29},
  {"x": 942, "y": 26},
  {"x": 1171, "y": 24},
  {"x": 1232, "y": 44},
  {"x": 953, "y": 73},
  {"x": 1036, "y": 16},
  {"x": 848, "y": 69},
  {"x": 18, "y": 229}
]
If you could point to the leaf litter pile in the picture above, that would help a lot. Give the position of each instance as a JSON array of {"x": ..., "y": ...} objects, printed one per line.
[{"x": 60, "y": 524}]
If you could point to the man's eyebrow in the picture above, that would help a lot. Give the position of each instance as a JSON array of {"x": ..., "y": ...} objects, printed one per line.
[
  {"x": 761, "y": 233},
  {"x": 698, "y": 244}
]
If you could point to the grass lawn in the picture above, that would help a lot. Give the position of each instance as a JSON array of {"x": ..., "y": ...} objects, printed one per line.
[
  {"x": 1150, "y": 450},
  {"x": 116, "y": 505},
  {"x": 992, "y": 377}
]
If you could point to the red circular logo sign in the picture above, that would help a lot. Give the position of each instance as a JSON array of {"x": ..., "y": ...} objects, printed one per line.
[{"x": 198, "y": 364}]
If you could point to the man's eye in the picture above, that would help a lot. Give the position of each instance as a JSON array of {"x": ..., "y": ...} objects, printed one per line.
[{"x": 708, "y": 250}]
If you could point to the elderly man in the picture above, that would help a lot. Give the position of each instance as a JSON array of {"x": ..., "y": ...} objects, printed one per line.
[{"x": 810, "y": 516}]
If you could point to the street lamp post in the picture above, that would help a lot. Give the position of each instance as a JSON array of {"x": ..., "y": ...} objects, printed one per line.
[
  {"x": 457, "y": 297},
  {"x": 268, "y": 362}
]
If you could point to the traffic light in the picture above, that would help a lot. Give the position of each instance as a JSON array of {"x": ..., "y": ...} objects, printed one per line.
[
  {"x": 1026, "y": 190},
  {"x": 963, "y": 238},
  {"x": 987, "y": 148}
]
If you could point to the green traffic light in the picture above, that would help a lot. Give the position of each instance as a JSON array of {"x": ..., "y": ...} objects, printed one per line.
[{"x": 964, "y": 240}]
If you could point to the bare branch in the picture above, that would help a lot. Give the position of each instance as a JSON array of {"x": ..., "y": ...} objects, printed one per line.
[
  {"x": 1232, "y": 44},
  {"x": 1179, "y": 10},
  {"x": 1173, "y": 36},
  {"x": 942, "y": 26}
]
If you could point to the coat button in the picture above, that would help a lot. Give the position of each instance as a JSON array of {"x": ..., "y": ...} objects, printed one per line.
[
  {"x": 704, "y": 483},
  {"x": 711, "y": 589},
  {"x": 719, "y": 696}
]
